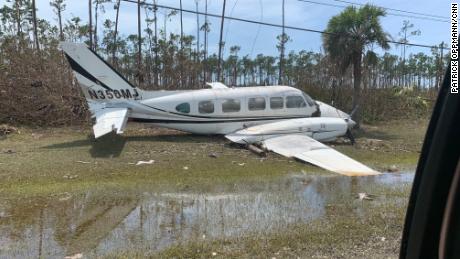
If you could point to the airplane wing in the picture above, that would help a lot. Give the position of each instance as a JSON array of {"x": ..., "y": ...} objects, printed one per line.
[
  {"x": 217, "y": 85},
  {"x": 309, "y": 150},
  {"x": 108, "y": 120}
]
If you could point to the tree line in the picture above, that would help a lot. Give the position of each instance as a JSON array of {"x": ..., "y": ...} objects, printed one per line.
[{"x": 157, "y": 58}]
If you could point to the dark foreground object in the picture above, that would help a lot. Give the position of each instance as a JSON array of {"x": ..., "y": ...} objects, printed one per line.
[{"x": 432, "y": 226}]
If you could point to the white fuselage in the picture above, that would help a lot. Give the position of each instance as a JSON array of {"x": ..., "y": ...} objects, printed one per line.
[{"x": 223, "y": 111}]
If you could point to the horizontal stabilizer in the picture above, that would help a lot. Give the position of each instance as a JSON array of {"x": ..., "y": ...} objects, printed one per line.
[
  {"x": 110, "y": 119},
  {"x": 309, "y": 150}
]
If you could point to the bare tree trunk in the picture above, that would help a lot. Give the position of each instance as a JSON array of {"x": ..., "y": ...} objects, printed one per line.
[
  {"x": 34, "y": 17},
  {"x": 61, "y": 34},
  {"x": 95, "y": 24},
  {"x": 90, "y": 24},
  {"x": 155, "y": 70},
  {"x": 219, "y": 65},
  {"x": 357, "y": 87},
  {"x": 438, "y": 85},
  {"x": 114, "y": 57},
  {"x": 181, "y": 26},
  {"x": 18, "y": 18},
  {"x": 139, "y": 43},
  {"x": 181, "y": 54},
  {"x": 197, "y": 33}
]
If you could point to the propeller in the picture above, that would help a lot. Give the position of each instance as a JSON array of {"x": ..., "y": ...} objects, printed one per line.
[
  {"x": 354, "y": 111},
  {"x": 350, "y": 136}
]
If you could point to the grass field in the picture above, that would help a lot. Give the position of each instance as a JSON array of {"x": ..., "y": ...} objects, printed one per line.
[{"x": 39, "y": 167}]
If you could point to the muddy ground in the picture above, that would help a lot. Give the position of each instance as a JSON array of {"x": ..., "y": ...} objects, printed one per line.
[{"x": 63, "y": 193}]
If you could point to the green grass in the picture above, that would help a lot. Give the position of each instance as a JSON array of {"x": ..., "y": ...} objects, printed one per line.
[
  {"x": 44, "y": 162},
  {"x": 43, "y": 167}
]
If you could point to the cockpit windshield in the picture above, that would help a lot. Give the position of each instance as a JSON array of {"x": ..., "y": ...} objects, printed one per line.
[{"x": 309, "y": 100}]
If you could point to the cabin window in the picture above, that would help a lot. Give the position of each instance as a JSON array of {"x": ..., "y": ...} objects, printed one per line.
[
  {"x": 183, "y": 108},
  {"x": 276, "y": 103},
  {"x": 206, "y": 107},
  {"x": 309, "y": 100},
  {"x": 295, "y": 101},
  {"x": 231, "y": 105},
  {"x": 256, "y": 103}
]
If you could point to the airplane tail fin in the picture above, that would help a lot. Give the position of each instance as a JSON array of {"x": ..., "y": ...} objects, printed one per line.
[{"x": 98, "y": 80}]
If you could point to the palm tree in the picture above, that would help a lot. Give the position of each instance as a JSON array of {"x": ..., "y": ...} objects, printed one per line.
[{"x": 347, "y": 36}]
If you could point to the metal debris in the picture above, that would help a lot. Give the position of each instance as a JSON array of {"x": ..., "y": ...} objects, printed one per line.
[
  {"x": 75, "y": 256},
  {"x": 365, "y": 196},
  {"x": 83, "y": 162},
  {"x": 151, "y": 161}
]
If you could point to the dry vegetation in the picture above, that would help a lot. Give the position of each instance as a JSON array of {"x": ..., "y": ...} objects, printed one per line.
[{"x": 36, "y": 85}]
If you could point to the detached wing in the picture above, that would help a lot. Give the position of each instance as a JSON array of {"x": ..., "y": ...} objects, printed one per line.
[
  {"x": 309, "y": 150},
  {"x": 108, "y": 120}
]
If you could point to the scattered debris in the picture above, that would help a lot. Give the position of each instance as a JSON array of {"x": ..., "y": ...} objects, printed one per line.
[
  {"x": 393, "y": 169},
  {"x": 365, "y": 196},
  {"x": 82, "y": 162},
  {"x": 9, "y": 151},
  {"x": 37, "y": 135},
  {"x": 70, "y": 177},
  {"x": 383, "y": 239},
  {"x": 213, "y": 155},
  {"x": 151, "y": 161},
  {"x": 6, "y": 129},
  {"x": 256, "y": 150},
  {"x": 75, "y": 256},
  {"x": 306, "y": 181},
  {"x": 66, "y": 196}
]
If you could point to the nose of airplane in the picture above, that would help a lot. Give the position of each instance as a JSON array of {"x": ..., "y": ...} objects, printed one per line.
[{"x": 351, "y": 123}]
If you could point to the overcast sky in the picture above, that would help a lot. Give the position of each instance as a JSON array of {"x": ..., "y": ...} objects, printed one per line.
[{"x": 255, "y": 39}]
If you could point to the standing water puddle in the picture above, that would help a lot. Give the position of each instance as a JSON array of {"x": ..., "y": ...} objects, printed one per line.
[{"x": 97, "y": 223}]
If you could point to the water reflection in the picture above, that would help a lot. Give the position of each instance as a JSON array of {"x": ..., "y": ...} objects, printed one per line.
[{"x": 96, "y": 222}]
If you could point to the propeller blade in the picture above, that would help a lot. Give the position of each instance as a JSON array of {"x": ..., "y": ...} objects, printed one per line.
[
  {"x": 350, "y": 136},
  {"x": 354, "y": 111}
]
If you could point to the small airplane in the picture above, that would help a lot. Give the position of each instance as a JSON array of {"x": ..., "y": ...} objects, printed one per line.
[{"x": 281, "y": 119}]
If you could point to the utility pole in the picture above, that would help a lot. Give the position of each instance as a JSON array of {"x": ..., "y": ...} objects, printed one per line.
[
  {"x": 281, "y": 68},
  {"x": 139, "y": 42},
  {"x": 34, "y": 17},
  {"x": 219, "y": 65},
  {"x": 90, "y": 7},
  {"x": 205, "y": 40}
]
